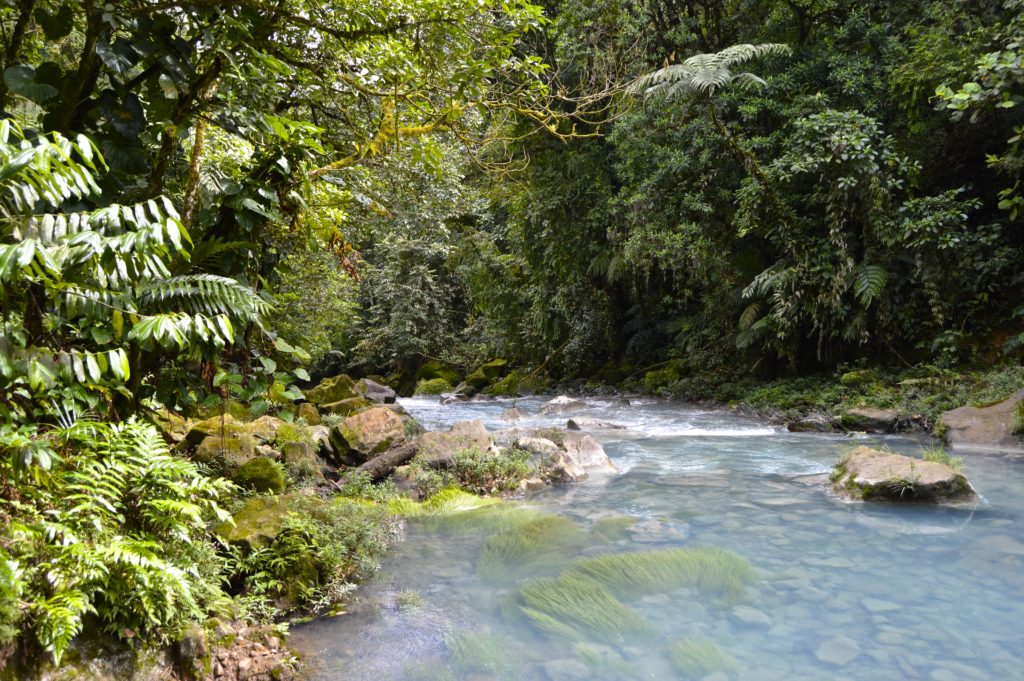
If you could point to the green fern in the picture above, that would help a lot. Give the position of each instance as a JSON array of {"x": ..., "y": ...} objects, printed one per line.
[
  {"x": 705, "y": 73},
  {"x": 868, "y": 283}
]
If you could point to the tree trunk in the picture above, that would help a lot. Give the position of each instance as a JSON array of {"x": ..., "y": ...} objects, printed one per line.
[{"x": 382, "y": 466}]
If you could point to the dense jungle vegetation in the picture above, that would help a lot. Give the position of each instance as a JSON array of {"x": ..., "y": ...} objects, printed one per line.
[{"x": 203, "y": 201}]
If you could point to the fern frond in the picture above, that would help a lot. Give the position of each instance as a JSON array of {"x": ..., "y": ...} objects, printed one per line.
[
  {"x": 868, "y": 283},
  {"x": 705, "y": 73}
]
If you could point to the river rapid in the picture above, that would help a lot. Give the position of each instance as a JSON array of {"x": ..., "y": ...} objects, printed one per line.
[{"x": 841, "y": 590}]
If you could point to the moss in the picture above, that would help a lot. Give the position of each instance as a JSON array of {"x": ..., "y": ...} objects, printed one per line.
[
  {"x": 477, "y": 380},
  {"x": 261, "y": 475},
  {"x": 571, "y": 605},
  {"x": 536, "y": 546},
  {"x": 697, "y": 658},
  {"x": 433, "y": 386},
  {"x": 435, "y": 369},
  {"x": 494, "y": 368},
  {"x": 632, "y": 574},
  {"x": 448, "y": 500},
  {"x": 292, "y": 432},
  {"x": 860, "y": 379},
  {"x": 348, "y": 406},
  {"x": 506, "y": 387},
  {"x": 333, "y": 389}
]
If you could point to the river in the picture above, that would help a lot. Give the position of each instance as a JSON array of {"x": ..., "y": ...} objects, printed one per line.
[{"x": 839, "y": 590}]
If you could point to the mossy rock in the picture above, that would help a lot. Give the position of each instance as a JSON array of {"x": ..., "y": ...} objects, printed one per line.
[
  {"x": 433, "y": 386},
  {"x": 264, "y": 428},
  {"x": 232, "y": 408},
  {"x": 225, "y": 454},
  {"x": 259, "y": 521},
  {"x": 494, "y": 369},
  {"x": 661, "y": 379},
  {"x": 506, "y": 387},
  {"x": 172, "y": 427},
  {"x": 436, "y": 369},
  {"x": 227, "y": 426},
  {"x": 308, "y": 412},
  {"x": 361, "y": 437},
  {"x": 333, "y": 389},
  {"x": 860, "y": 379},
  {"x": 292, "y": 432},
  {"x": 477, "y": 380},
  {"x": 301, "y": 461},
  {"x": 260, "y": 474},
  {"x": 347, "y": 407}
]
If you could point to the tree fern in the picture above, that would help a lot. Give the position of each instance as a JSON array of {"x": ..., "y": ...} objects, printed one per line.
[{"x": 706, "y": 73}]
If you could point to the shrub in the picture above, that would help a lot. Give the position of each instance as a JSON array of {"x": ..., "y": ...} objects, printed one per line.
[{"x": 487, "y": 472}]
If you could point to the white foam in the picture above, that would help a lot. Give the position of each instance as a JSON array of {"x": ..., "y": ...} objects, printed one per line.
[{"x": 708, "y": 432}]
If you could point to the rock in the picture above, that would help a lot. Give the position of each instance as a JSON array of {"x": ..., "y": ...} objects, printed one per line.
[
  {"x": 226, "y": 453},
  {"x": 839, "y": 651},
  {"x": 749, "y": 617},
  {"x": 532, "y": 485},
  {"x": 585, "y": 423},
  {"x": 292, "y": 432},
  {"x": 460, "y": 395},
  {"x": 359, "y": 438},
  {"x": 435, "y": 369},
  {"x": 309, "y": 413},
  {"x": 513, "y": 414},
  {"x": 321, "y": 437},
  {"x": 566, "y": 670},
  {"x": 561, "y": 405},
  {"x": 264, "y": 428},
  {"x": 869, "y": 474},
  {"x": 989, "y": 427},
  {"x": 587, "y": 452},
  {"x": 260, "y": 475},
  {"x": 433, "y": 386},
  {"x": 493, "y": 369},
  {"x": 375, "y": 392},
  {"x": 506, "y": 387},
  {"x": 259, "y": 521},
  {"x": 438, "y": 450},
  {"x": 333, "y": 389},
  {"x": 539, "y": 446},
  {"x": 220, "y": 426},
  {"x": 870, "y": 420},
  {"x": 301, "y": 460},
  {"x": 172, "y": 427},
  {"x": 346, "y": 407},
  {"x": 816, "y": 423},
  {"x": 560, "y": 468}
]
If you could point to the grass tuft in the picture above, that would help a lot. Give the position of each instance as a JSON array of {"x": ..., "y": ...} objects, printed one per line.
[
  {"x": 697, "y": 658},
  {"x": 539, "y": 545},
  {"x": 940, "y": 455},
  {"x": 481, "y": 653},
  {"x": 571, "y": 605}
]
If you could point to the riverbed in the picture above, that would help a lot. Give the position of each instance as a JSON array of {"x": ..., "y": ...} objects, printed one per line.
[{"x": 839, "y": 590}]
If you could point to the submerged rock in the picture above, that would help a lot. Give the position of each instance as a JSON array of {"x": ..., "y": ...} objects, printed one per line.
[
  {"x": 986, "y": 427},
  {"x": 561, "y": 405},
  {"x": 870, "y": 475},
  {"x": 870, "y": 420},
  {"x": 839, "y": 651}
]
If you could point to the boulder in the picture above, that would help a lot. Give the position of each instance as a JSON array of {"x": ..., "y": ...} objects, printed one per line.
[
  {"x": 362, "y": 436},
  {"x": 871, "y": 475},
  {"x": 226, "y": 454},
  {"x": 435, "y": 369},
  {"x": 870, "y": 420},
  {"x": 585, "y": 423},
  {"x": 264, "y": 428},
  {"x": 815, "y": 423},
  {"x": 260, "y": 474},
  {"x": 539, "y": 446},
  {"x": 560, "y": 468},
  {"x": 513, "y": 414},
  {"x": 172, "y": 427},
  {"x": 292, "y": 432},
  {"x": 432, "y": 386},
  {"x": 220, "y": 426},
  {"x": 493, "y": 369},
  {"x": 438, "y": 450},
  {"x": 301, "y": 460},
  {"x": 333, "y": 389},
  {"x": 587, "y": 452},
  {"x": 258, "y": 522},
  {"x": 321, "y": 437},
  {"x": 999, "y": 426},
  {"x": 375, "y": 392},
  {"x": 561, "y": 405},
  {"x": 346, "y": 407},
  {"x": 309, "y": 413}
]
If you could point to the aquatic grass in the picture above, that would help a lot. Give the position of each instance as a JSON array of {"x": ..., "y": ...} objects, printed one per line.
[
  {"x": 940, "y": 455},
  {"x": 540, "y": 545},
  {"x": 472, "y": 652},
  {"x": 604, "y": 663},
  {"x": 570, "y": 605},
  {"x": 448, "y": 500},
  {"x": 697, "y": 658},
  {"x": 614, "y": 528},
  {"x": 635, "y": 574}
]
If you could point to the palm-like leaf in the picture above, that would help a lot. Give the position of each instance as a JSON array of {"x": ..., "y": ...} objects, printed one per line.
[{"x": 705, "y": 73}]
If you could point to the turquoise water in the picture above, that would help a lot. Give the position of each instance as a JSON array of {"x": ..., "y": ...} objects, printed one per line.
[{"x": 842, "y": 591}]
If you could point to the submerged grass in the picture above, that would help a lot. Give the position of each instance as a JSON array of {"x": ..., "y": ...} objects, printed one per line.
[
  {"x": 539, "y": 545},
  {"x": 447, "y": 501},
  {"x": 481, "y": 653},
  {"x": 571, "y": 605},
  {"x": 634, "y": 574},
  {"x": 696, "y": 658},
  {"x": 614, "y": 528}
]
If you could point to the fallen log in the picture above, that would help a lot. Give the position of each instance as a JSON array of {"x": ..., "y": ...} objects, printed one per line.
[{"x": 381, "y": 466}]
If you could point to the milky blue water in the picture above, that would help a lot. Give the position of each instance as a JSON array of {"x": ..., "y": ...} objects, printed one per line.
[{"x": 843, "y": 590}]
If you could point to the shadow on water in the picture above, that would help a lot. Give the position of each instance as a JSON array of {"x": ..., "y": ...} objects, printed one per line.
[{"x": 715, "y": 553}]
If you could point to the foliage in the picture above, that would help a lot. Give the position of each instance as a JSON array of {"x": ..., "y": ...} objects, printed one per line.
[
  {"x": 485, "y": 472},
  {"x": 115, "y": 528}
]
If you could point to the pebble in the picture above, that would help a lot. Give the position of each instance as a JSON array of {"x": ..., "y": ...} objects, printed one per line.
[{"x": 839, "y": 651}]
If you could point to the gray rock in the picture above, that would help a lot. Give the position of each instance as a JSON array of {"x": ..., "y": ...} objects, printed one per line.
[
  {"x": 438, "y": 450},
  {"x": 984, "y": 427},
  {"x": 513, "y": 414},
  {"x": 539, "y": 446},
  {"x": 586, "y": 423},
  {"x": 870, "y": 420},
  {"x": 561, "y": 405},
  {"x": 839, "y": 651},
  {"x": 871, "y": 475},
  {"x": 376, "y": 392},
  {"x": 588, "y": 453}
]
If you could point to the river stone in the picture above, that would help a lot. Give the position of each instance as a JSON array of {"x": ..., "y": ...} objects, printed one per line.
[
  {"x": 562, "y": 469},
  {"x": 585, "y": 423},
  {"x": 438, "y": 450},
  {"x": 870, "y": 420},
  {"x": 815, "y": 423},
  {"x": 226, "y": 453},
  {"x": 361, "y": 437},
  {"x": 984, "y": 427},
  {"x": 561, "y": 405},
  {"x": 750, "y": 617},
  {"x": 587, "y": 452},
  {"x": 538, "y": 446},
  {"x": 333, "y": 389},
  {"x": 375, "y": 392},
  {"x": 870, "y": 475},
  {"x": 513, "y": 414},
  {"x": 839, "y": 651}
]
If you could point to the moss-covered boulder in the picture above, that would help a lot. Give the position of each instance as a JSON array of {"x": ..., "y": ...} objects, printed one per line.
[
  {"x": 433, "y": 386},
  {"x": 477, "y": 380},
  {"x": 346, "y": 407},
  {"x": 308, "y": 412},
  {"x": 871, "y": 475},
  {"x": 264, "y": 428},
  {"x": 292, "y": 432},
  {"x": 172, "y": 427},
  {"x": 225, "y": 454},
  {"x": 361, "y": 437},
  {"x": 232, "y": 408},
  {"x": 260, "y": 474},
  {"x": 219, "y": 426},
  {"x": 301, "y": 461},
  {"x": 333, "y": 389},
  {"x": 506, "y": 387},
  {"x": 435, "y": 369},
  {"x": 859, "y": 380},
  {"x": 870, "y": 419},
  {"x": 494, "y": 369},
  {"x": 259, "y": 521}
]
